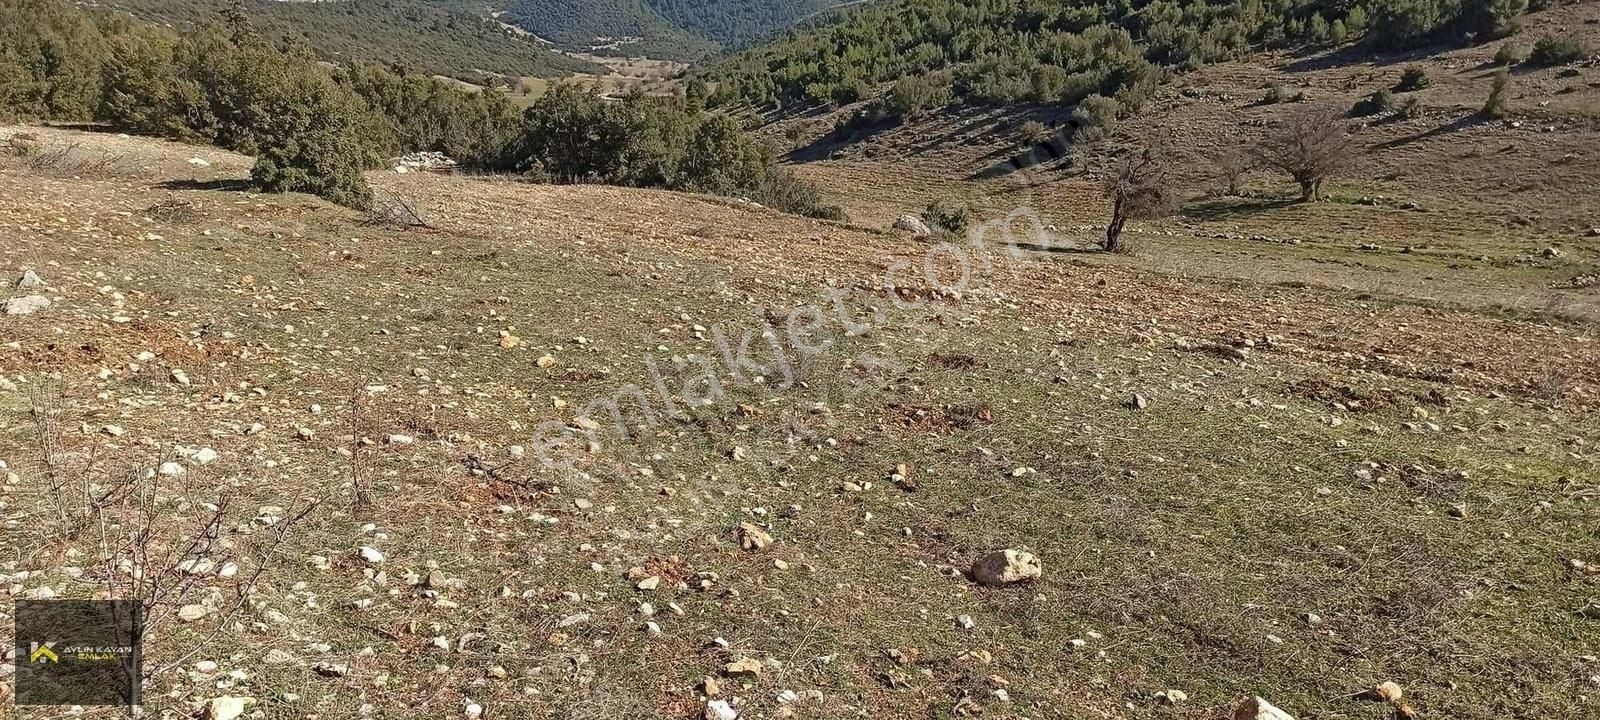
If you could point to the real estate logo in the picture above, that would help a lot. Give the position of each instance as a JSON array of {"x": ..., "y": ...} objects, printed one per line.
[{"x": 78, "y": 652}]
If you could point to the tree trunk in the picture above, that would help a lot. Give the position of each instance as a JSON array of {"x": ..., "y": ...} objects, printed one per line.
[
  {"x": 1310, "y": 190},
  {"x": 1113, "y": 241}
]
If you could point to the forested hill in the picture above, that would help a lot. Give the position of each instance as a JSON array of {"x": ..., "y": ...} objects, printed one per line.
[
  {"x": 441, "y": 37},
  {"x": 1007, "y": 51},
  {"x": 674, "y": 29}
]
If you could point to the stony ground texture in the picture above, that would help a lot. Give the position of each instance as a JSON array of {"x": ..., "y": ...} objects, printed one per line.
[{"x": 1232, "y": 488}]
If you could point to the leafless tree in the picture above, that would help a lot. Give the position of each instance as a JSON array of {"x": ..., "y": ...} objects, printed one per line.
[
  {"x": 1310, "y": 147},
  {"x": 1141, "y": 189},
  {"x": 1232, "y": 164}
]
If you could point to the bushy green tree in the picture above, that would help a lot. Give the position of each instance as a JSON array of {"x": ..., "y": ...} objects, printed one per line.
[{"x": 306, "y": 128}]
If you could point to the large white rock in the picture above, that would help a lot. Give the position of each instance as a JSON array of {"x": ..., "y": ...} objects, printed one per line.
[
  {"x": 720, "y": 710},
  {"x": 1006, "y": 567},
  {"x": 1257, "y": 708},
  {"x": 26, "y": 304},
  {"x": 227, "y": 707}
]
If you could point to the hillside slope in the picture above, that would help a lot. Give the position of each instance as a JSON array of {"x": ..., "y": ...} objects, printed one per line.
[
  {"x": 671, "y": 29},
  {"x": 1444, "y": 204},
  {"x": 1316, "y": 491},
  {"x": 439, "y": 37}
]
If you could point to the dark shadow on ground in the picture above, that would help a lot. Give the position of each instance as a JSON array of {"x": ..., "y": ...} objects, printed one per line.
[
  {"x": 219, "y": 184},
  {"x": 1460, "y": 123},
  {"x": 1231, "y": 207},
  {"x": 1360, "y": 52},
  {"x": 1076, "y": 249}
]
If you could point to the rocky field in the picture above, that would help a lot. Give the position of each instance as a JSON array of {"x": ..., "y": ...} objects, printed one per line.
[{"x": 588, "y": 452}]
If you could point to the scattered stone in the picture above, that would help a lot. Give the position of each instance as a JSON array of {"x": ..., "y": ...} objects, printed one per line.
[
  {"x": 327, "y": 669},
  {"x": 1006, "y": 567},
  {"x": 965, "y": 622},
  {"x": 720, "y": 710},
  {"x": 912, "y": 224},
  {"x": 710, "y": 687},
  {"x": 191, "y": 613},
  {"x": 743, "y": 667},
  {"x": 179, "y": 376},
  {"x": 545, "y": 360},
  {"x": 1172, "y": 697},
  {"x": 752, "y": 537},
  {"x": 204, "y": 456},
  {"x": 1257, "y": 708},
  {"x": 435, "y": 580},
  {"x": 371, "y": 555},
  {"x": 1387, "y": 691},
  {"x": 649, "y": 583},
  {"x": 113, "y": 430},
  {"x": 227, "y": 707},
  {"x": 30, "y": 280},
  {"x": 1138, "y": 402},
  {"x": 27, "y": 304},
  {"x": 171, "y": 469}
]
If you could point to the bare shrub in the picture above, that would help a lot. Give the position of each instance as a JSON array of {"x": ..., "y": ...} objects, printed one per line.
[
  {"x": 392, "y": 209},
  {"x": 161, "y": 538},
  {"x": 1141, "y": 189},
  {"x": 1310, "y": 147},
  {"x": 72, "y": 160},
  {"x": 1232, "y": 165}
]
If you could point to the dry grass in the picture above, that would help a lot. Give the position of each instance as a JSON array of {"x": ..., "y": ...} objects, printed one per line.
[{"x": 1398, "y": 468}]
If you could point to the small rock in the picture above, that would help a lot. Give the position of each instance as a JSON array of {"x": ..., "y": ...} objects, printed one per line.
[
  {"x": 331, "y": 669},
  {"x": 30, "y": 280},
  {"x": 1388, "y": 691},
  {"x": 371, "y": 555},
  {"x": 710, "y": 686},
  {"x": 1006, "y": 567},
  {"x": 1172, "y": 697},
  {"x": 27, "y": 304},
  {"x": 1257, "y": 708},
  {"x": 191, "y": 613},
  {"x": 199, "y": 162},
  {"x": 1138, "y": 402},
  {"x": 912, "y": 224},
  {"x": 204, "y": 456},
  {"x": 752, "y": 537},
  {"x": 720, "y": 710},
  {"x": 650, "y": 583},
  {"x": 227, "y": 707},
  {"x": 743, "y": 667}
]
